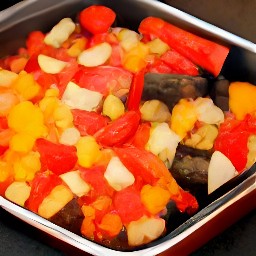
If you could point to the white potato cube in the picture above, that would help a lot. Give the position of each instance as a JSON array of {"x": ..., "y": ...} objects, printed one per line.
[
  {"x": 117, "y": 175},
  {"x": 76, "y": 184},
  {"x": 80, "y": 98},
  {"x": 144, "y": 230},
  {"x": 96, "y": 55},
  {"x": 51, "y": 65},
  {"x": 18, "y": 192}
]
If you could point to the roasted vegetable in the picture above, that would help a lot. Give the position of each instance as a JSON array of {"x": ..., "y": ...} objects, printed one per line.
[
  {"x": 109, "y": 132},
  {"x": 171, "y": 88},
  {"x": 190, "y": 169}
]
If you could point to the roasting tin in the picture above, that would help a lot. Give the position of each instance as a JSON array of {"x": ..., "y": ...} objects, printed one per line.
[{"x": 234, "y": 199}]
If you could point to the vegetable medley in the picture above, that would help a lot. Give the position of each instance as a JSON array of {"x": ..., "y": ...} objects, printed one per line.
[{"x": 80, "y": 145}]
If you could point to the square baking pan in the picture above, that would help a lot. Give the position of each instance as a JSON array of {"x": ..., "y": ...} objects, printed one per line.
[{"x": 228, "y": 203}]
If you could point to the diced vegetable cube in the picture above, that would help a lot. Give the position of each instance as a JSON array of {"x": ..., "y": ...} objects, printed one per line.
[
  {"x": 50, "y": 65},
  {"x": 96, "y": 55},
  {"x": 113, "y": 107},
  {"x": 76, "y": 184},
  {"x": 117, "y": 175},
  {"x": 55, "y": 201},
  {"x": 144, "y": 230},
  {"x": 18, "y": 192},
  {"x": 80, "y": 98},
  {"x": 88, "y": 151}
]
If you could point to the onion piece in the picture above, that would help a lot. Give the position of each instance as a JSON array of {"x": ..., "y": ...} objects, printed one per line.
[{"x": 220, "y": 171}]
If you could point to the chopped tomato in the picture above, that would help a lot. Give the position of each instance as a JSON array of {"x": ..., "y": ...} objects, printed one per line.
[
  {"x": 3, "y": 123},
  {"x": 35, "y": 42},
  {"x": 32, "y": 65},
  {"x": 97, "y": 18},
  {"x": 128, "y": 205},
  {"x": 62, "y": 54},
  {"x": 88, "y": 122},
  {"x": 5, "y": 135},
  {"x": 58, "y": 158},
  {"x": 151, "y": 169},
  {"x": 103, "y": 37},
  {"x": 3, "y": 149},
  {"x": 187, "y": 203},
  {"x": 5, "y": 184},
  {"x": 233, "y": 138},
  {"x": 104, "y": 79},
  {"x": 143, "y": 163},
  {"x": 66, "y": 75},
  {"x": 41, "y": 186},
  {"x": 35, "y": 45},
  {"x": 120, "y": 130},
  {"x": 115, "y": 59},
  {"x": 8, "y": 61},
  {"x": 45, "y": 80},
  {"x": 99, "y": 185}
]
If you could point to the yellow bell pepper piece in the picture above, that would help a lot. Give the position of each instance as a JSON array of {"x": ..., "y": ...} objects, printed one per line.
[
  {"x": 77, "y": 47},
  {"x": 154, "y": 198},
  {"x": 63, "y": 117},
  {"x": 22, "y": 142},
  {"x": 26, "y": 166},
  {"x": 52, "y": 92},
  {"x": 135, "y": 59},
  {"x": 5, "y": 171},
  {"x": 113, "y": 107},
  {"x": 88, "y": 151},
  {"x": 48, "y": 106},
  {"x": 242, "y": 97},
  {"x": 27, "y": 118},
  {"x": 183, "y": 117},
  {"x": 134, "y": 63},
  {"x": 26, "y": 86}
]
